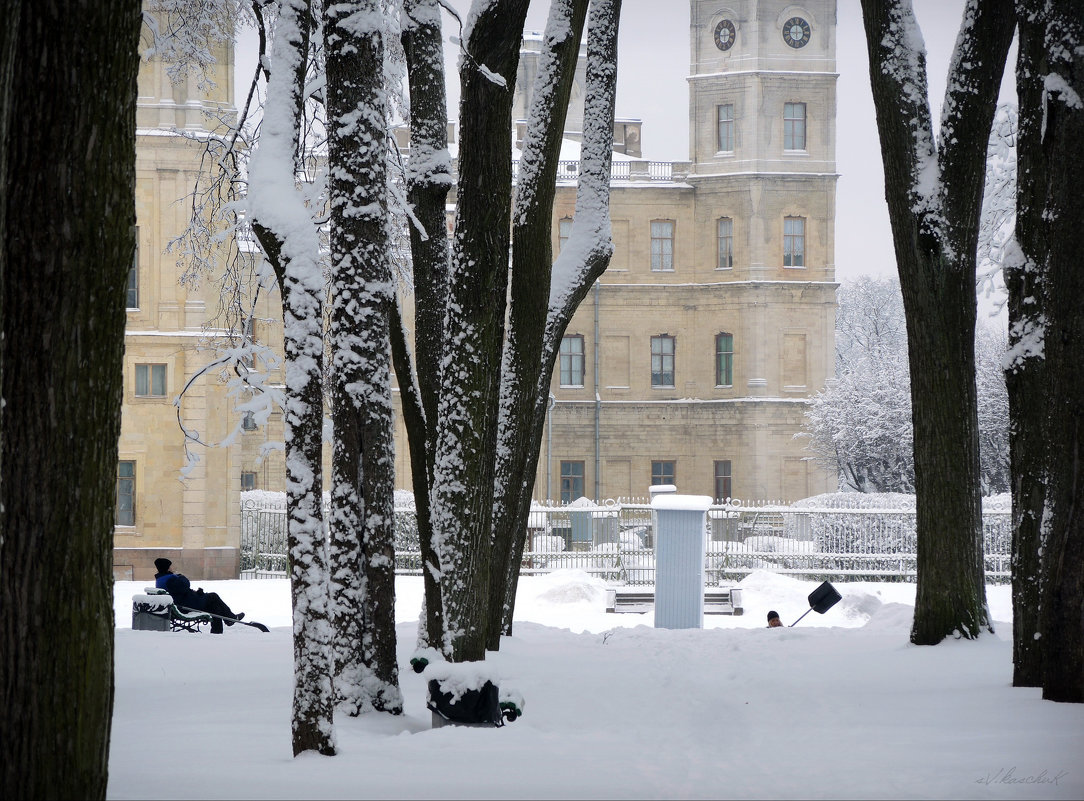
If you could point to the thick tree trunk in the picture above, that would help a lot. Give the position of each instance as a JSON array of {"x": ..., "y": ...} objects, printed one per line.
[
  {"x": 1052, "y": 136},
  {"x": 363, "y": 458},
  {"x": 429, "y": 178},
  {"x": 540, "y": 311},
  {"x": 934, "y": 192},
  {"x": 1024, "y": 377},
  {"x": 67, "y": 171},
  {"x": 474, "y": 333}
]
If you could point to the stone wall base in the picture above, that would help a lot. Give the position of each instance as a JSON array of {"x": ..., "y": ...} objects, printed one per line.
[{"x": 207, "y": 564}]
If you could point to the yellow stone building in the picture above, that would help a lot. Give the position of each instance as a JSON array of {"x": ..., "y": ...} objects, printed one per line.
[{"x": 689, "y": 362}]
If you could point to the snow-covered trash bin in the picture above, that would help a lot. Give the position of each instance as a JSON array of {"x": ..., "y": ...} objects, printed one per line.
[
  {"x": 151, "y": 612},
  {"x": 466, "y": 694}
]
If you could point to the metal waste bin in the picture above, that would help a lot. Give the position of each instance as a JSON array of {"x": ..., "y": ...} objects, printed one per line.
[
  {"x": 681, "y": 521},
  {"x": 150, "y": 612}
]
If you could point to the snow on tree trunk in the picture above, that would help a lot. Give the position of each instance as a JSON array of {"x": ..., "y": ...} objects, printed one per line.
[
  {"x": 545, "y": 294},
  {"x": 362, "y": 524},
  {"x": 934, "y": 193},
  {"x": 285, "y": 229},
  {"x": 429, "y": 178},
  {"x": 67, "y": 235},
  {"x": 1048, "y": 337},
  {"x": 462, "y": 492}
]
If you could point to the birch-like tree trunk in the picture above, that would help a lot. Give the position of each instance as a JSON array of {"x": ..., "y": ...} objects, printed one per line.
[
  {"x": 288, "y": 237},
  {"x": 67, "y": 235},
  {"x": 362, "y": 521},
  {"x": 934, "y": 188},
  {"x": 544, "y": 293},
  {"x": 1048, "y": 328}
]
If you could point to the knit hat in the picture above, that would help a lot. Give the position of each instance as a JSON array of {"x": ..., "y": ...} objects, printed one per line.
[
  {"x": 162, "y": 564},
  {"x": 772, "y": 615}
]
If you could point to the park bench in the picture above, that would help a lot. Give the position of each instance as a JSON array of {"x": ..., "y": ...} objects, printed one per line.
[
  {"x": 717, "y": 600},
  {"x": 154, "y": 610}
]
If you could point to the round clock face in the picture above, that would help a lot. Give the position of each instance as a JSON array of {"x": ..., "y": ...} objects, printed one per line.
[
  {"x": 725, "y": 35},
  {"x": 796, "y": 32}
]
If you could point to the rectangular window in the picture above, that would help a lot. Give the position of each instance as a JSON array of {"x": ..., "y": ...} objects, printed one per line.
[
  {"x": 725, "y": 118},
  {"x": 794, "y": 242},
  {"x": 724, "y": 360},
  {"x": 133, "y": 277},
  {"x": 564, "y": 231},
  {"x": 126, "y": 494},
  {"x": 248, "y": 481},
  {"x": 572, "y": 361},
  {"x": 150, "y": 381},
  {"x": 662, "y": 245},
  {"x": 248, "y": 421},
  {"x": 726, "y": 244},
  {"x": 794, "y": 126},
  {"x": 662, "y": 361},
  {"x": 662, "y": 472},
  {"x": 571, "y": 481},
  {"x": 723, "y": 476}
]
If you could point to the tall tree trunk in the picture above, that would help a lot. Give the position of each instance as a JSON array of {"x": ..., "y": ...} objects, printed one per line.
[
  {"x": 934, "y": 191},
  {"x": 541, "y": 309},
  {"x": 67, "y": 170},
  {"x": 363, "y": 487},
  {"x": 293, "y": 251},
  {"x": 474, "y": 332},
  {"x": 1024, "y": 377},
  {"x": 429, "y": 178},
  {"x": 1053, "y": 72}
]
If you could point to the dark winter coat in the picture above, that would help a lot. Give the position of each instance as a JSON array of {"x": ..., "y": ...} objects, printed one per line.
[{"x": 178, "y": 585}]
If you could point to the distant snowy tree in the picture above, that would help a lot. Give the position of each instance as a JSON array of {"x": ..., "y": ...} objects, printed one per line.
[
  {"x": 1046, "y": 338},
  {"x": 860, "y": 424},
  {"x": 934, "y": 188},
  {"x": 67, "y": 236}
]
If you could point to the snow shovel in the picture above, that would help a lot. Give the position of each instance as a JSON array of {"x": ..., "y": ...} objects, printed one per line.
[
  {"x": 821, "y": 600},
  {"x": 252, "y": 623}
]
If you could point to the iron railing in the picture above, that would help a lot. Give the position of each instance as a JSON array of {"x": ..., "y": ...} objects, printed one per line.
[{"x": 615, "y": 540}]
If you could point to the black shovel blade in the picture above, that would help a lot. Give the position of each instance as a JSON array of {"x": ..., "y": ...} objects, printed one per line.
[{"x": 823, "y": 598}]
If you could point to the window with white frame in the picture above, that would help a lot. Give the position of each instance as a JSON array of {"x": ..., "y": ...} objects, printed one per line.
[
  {"x": 564, "y": 231},
  {"x": 794, "y": 126},
  {"x": 794, "y": 242},
  {"x": 132, "y": 301},
  {"x": 725, "y": 239},
  {"x": 150, "y": 380},
  {"x": 571, "y": 481},
  {"x": 662, "y": 361},
  {"x": 724, "y": 359},
  {"x": 725, "y": 125},
  {"x": 663, "y": 471},
  {"x": 723, "y": 480},
  {"x": 571, "y": 360},
  {"x": 126, "y": 493},
  {"x": 662, "y": 245}
]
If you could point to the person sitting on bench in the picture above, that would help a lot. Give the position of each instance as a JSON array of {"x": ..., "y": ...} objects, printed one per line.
[{"x": 180, "y": 588}]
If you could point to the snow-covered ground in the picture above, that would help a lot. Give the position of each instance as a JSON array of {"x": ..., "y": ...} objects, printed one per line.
[{"x": 839, "y": 706}]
